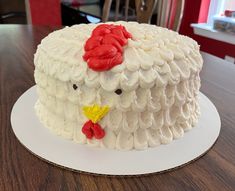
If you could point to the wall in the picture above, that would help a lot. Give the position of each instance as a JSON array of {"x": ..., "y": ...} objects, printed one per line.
[
  {"x": 195, "y": 12},
  {"x": 45, "y": 12}
]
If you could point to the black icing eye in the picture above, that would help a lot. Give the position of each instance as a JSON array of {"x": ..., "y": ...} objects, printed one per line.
[
  {"x": 75, "y": 86},
  {"x": 118, "y": 91}
]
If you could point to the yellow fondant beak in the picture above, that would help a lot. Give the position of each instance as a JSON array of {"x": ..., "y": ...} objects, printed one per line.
[{"x": 95, "y": 112}]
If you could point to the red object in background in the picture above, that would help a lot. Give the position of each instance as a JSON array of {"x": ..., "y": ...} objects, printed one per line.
[
  {"x": 173, "y": 13},
  {"x": 229, "y": 13},
  {"x": 75, "y": 3},
  {"x": 45, "y": 12},
  {"x": 170, "y": 13},
  {"x": 203, "y": 11},
  {"x": 193, "y": 13}
]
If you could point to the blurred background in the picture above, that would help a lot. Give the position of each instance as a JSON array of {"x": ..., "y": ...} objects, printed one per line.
[{"x": 210, "y": 22}]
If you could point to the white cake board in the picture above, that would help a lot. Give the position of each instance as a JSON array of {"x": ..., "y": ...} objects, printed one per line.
[{"x": 65, "y": 153}]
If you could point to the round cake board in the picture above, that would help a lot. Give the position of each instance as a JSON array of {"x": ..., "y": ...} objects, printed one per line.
[{"x": 68, "y": 154}]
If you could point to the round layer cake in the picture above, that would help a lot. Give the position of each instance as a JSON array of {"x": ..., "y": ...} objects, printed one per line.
[{"x": 119, "y": 85}]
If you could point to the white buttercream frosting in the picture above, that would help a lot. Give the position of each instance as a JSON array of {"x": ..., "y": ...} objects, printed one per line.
[{"x": 159, "y": 79}]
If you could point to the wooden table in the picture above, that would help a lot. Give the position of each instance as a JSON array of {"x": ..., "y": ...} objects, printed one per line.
[{"x": 20, "y": 170}]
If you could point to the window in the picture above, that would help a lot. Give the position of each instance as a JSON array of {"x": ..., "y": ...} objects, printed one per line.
[{"x": 218, "y": 8}]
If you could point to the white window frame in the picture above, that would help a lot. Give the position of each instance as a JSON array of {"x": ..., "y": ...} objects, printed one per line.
[{"x": 215, "y": 8}]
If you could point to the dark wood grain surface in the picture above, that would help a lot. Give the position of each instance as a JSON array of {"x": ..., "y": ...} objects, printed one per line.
[{"x": 20, "y": 170}]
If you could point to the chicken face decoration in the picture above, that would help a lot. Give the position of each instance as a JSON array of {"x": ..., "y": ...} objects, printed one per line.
[
  {"x": 119, "y": 85},
  {"x": 104, "y": 50}
]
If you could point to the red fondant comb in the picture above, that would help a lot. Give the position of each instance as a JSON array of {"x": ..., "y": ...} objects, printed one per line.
[{"x": 104, "y": 49}]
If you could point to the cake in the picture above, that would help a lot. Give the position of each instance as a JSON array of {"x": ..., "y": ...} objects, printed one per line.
[{"x": 120, "y": 85}]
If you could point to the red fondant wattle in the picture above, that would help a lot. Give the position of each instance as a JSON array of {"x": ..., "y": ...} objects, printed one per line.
[
  {"x": 86, "y": 129},
  {"x": 91, "y": 130},
  {"x": 98, "y": 131},
  {"x": 104, "y": 49}
]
